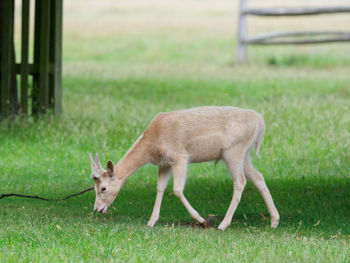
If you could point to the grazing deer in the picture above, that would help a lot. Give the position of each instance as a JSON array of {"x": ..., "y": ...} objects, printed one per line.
[{"x": 175, "y": 139}]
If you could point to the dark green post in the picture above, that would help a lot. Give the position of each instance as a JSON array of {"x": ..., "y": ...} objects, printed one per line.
[
  {"x": 6, "y": 33},
  {"x": 41, "y": 55},
  {"x": 55, "y": 93},
  {"x": 24, "y": 56}
]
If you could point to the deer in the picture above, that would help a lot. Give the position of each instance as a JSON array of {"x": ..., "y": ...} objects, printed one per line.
[{"x": 173, "y": 140}]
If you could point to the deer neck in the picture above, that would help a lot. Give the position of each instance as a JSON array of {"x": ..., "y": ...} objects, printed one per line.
[{"x": 137, "y": 156}]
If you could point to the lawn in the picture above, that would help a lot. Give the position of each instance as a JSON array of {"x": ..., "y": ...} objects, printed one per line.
[{"x": 124, "y": 61}]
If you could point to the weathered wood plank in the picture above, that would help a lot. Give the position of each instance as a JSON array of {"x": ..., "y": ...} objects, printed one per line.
[
  {"x": 6, "y": 24},
  {"x": 297, "y": 11},
  {"x": 36, "y": 88},
  {"x": 32, "y": 68},
  {"x": 55, "y": 93},
  {"x": 269, "y": 36},
  {"x": 24, "y": 68},
  {"x": 300, "y": 41},
  {"x": 14, "y": 106},
  {"x": 44, "y": 43}
]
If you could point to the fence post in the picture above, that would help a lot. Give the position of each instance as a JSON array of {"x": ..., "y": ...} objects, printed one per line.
[
  {"x": 43, "y": 51},
  {"x": 6, "y": 36},
  {"x": 241, "y": 50},
  {"x": 24, "y": 57},
  {"x": 55, "y": 92}
]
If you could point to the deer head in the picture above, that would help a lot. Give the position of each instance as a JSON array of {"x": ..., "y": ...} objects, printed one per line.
[{"x": 107, "y": 184}]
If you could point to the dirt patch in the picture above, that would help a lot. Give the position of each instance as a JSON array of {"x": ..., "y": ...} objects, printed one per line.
[{"x": 208, "y": 224}]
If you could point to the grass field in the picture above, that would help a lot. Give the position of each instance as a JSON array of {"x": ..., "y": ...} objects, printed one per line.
[{"x": 124, "y": 61}]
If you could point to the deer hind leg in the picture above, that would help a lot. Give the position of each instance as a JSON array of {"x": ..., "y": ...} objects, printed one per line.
[
  {"x": 179, "y": 174},
  {"x": 234, "y": 162},
  {"x": 259, "y": 182},
  {"x": 163, "y": 179}
]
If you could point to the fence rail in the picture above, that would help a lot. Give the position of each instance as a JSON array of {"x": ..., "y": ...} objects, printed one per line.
[
  {"x": 286, "y": 38},
  {"x": 329, "y": 36},
  {"x": 301, "y": 11}
]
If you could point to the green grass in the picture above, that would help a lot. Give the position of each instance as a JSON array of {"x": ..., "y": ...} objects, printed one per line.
[{"x": 114, "y": 83}]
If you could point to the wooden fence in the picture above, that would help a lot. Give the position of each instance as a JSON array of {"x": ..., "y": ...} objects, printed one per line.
[
  {"x": 43, "y": 92},
  {"x": 276, "y": 38}
]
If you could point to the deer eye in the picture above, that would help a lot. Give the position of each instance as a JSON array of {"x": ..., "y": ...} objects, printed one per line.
[{"x": 103, "y": 189}]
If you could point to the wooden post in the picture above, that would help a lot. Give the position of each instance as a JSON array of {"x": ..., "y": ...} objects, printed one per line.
[
  {"x": 24, "y": 56},
  {"x": 55, "y": 100},
  {"x": 241, "y": 50},
  {"x": 13, "y": 86},
  {"x": 36, "y": 88},
  {"x": 41, "y": 56},
  {"x": 44, "y": 43},
  {"x": 6, "y": 63}
]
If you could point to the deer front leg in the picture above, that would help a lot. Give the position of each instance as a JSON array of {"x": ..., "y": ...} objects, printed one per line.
[
  {"x": 179, "y": 173},
  {"x": 163, "y": 179}
]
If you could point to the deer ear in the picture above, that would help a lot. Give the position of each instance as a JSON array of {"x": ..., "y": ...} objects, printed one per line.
[
  {"x": 92, "y": 163},
  {"x": 110, "y": 167}
]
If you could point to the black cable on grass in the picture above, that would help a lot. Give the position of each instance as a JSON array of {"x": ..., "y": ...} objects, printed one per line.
[{"x": 46, "y": 199}]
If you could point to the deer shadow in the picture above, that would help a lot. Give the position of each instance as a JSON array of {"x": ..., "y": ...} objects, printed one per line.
[
  {"x": 321, "y": 205},
  {"x": 309, "y": 202}
]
